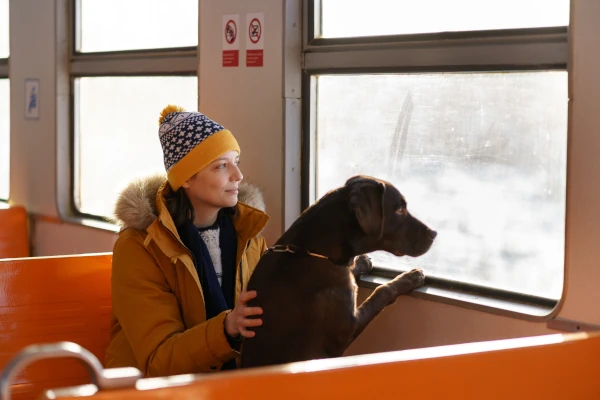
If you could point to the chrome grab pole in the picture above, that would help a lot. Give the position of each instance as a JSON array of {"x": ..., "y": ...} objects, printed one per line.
[{"x": 111, "y": 378}]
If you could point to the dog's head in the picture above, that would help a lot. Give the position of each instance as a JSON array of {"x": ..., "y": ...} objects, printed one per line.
[{"x": 381, "y": 212}]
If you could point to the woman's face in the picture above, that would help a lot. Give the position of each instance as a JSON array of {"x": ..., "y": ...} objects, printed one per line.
[{"x": 216, "y": 185}]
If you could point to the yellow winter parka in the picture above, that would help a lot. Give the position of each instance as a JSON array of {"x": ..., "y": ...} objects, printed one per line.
[{"x": 158, "y": 320}]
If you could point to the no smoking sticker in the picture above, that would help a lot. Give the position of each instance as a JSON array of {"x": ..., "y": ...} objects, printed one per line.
[
  {"x": 255, "y": 30},
  {"x": 231, "y": 40}
]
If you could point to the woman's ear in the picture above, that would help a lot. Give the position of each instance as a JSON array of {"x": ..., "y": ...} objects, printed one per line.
[{"x": 187, "y": 184}]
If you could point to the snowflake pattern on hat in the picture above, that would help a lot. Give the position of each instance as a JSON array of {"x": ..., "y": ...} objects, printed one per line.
[{"x": 180, "y": 132}]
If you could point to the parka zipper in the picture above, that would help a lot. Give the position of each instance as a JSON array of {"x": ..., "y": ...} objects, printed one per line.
[{"x": 241, "y": 269}]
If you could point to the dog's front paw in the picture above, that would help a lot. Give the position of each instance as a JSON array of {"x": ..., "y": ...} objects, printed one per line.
[
  {"x": 362, "y": 265},
  {"x": 408, "y": 281},
  {"x": 416, "y": 277}
]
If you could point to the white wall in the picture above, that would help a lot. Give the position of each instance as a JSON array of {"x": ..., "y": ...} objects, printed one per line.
[
  {"x": 413, "y": 323},
  {"x": 33, "y": 143},
  {"x": 583, "y": 192},
  {"x": 250, "y": 101}
]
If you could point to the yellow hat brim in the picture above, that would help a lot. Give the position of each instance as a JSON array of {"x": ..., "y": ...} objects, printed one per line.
[{"x": 200, "y": 156}]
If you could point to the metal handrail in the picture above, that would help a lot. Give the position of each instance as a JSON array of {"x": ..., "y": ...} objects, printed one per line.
[{"x": 111, "y": 378}]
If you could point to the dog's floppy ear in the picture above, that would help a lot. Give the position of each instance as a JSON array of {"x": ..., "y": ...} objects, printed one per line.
[{"x": 366, "y": 200}]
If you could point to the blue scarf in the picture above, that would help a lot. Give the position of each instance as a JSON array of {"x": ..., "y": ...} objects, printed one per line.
[{"x": 216, "y": 298}]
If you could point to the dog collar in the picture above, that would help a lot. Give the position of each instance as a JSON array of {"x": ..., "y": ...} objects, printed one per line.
[{"x": 292, "y": 248}]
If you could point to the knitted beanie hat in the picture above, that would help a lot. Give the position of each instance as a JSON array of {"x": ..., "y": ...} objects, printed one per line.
[{"x": 190, "y": 141}]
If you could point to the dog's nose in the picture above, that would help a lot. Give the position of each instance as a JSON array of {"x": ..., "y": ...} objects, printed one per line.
[{"x": 432, "y": 234}]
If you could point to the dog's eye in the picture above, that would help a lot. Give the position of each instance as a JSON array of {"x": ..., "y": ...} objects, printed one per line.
[{"x": 403, "y": 211}]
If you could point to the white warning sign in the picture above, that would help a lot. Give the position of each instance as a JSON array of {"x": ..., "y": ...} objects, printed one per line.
[
  {"x": 231, "y": 42},
  {"x": 255, "y": 33}
]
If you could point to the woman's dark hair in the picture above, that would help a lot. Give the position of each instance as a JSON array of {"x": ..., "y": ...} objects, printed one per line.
[{"x": 180, "y": 207}]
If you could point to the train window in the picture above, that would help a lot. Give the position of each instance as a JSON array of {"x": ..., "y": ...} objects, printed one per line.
[
  {"x": 4, "y": 139},
  {"x": 114, "y": 25},
  {"x": 464, "y": 107},
  {"x": 127, "y": 59},
  {"x": 390, "y": 17},
  {"x": 116, "y": 133},
  {"x": 481, "y": 157}
]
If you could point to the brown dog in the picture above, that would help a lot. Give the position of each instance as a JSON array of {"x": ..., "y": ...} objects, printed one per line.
[{"x": 305, "y": 284}]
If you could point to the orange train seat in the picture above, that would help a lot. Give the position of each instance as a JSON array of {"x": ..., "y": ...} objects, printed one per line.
[
  {"x": 554, "y": 366},
  {"x": 14, "y": 240},
  {"x": 50, "y": 299}
]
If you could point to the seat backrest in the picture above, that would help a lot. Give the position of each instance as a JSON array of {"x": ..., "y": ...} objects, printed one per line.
[
  {"x": 555, "y": 366},
  {"x": 14, "y": 240},
  {"x": 53, "y": 299}
]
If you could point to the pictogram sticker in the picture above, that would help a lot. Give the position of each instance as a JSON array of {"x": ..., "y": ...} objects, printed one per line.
[
  {"x": 231, "y": 42},
  {"x": 254, "y": 30},
  {"x": 32, "y": 103},
  {"x": 230, "y": 31},
  {"x": 255, "y": 39}
]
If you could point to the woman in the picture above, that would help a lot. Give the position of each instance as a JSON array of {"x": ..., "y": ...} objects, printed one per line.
[{"x": 184, "y": 255}]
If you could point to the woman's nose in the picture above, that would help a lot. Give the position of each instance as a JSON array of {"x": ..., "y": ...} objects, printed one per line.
[{"x": 238, "y": 174}]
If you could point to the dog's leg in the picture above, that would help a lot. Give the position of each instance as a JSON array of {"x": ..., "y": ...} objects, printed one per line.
[
  {"x": 362, "y": 266},
  {"x": 385, "y": 295}
]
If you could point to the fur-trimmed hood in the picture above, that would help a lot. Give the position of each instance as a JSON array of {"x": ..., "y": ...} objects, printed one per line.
[{"x": 136, "y": 204}]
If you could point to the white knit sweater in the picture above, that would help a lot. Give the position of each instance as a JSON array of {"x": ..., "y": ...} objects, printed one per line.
[{"x": 211, "y": 239}]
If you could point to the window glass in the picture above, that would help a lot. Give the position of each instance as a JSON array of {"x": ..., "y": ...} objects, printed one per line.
[
  {"x": 4, "y": 138},
  {"x": 391, "y": 17},
  {"x": 112, "y": 25},
  {"x": 480, "y": 158},
  {"x": 116, "y": 133}
]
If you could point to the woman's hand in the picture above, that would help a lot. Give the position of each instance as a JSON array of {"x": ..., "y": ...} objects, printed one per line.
[{"x": 237, "y": 321}]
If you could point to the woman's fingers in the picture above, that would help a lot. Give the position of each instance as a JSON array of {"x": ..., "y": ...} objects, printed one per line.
[
  {"x": 247, "y": 296},
  {"x": 249, "y": 323},
  {"x": 248, "y": 311},
  {"x": 241, "y": 313},
  {"x": 246, "y": 333},
  {"x": 246, "y": 322}
]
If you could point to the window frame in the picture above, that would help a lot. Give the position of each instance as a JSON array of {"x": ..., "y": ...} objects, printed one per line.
[
  {"x": 527, "y": 49},
  {"x": 176, "y": 61},
  {"x": 4, "y": 68}
]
